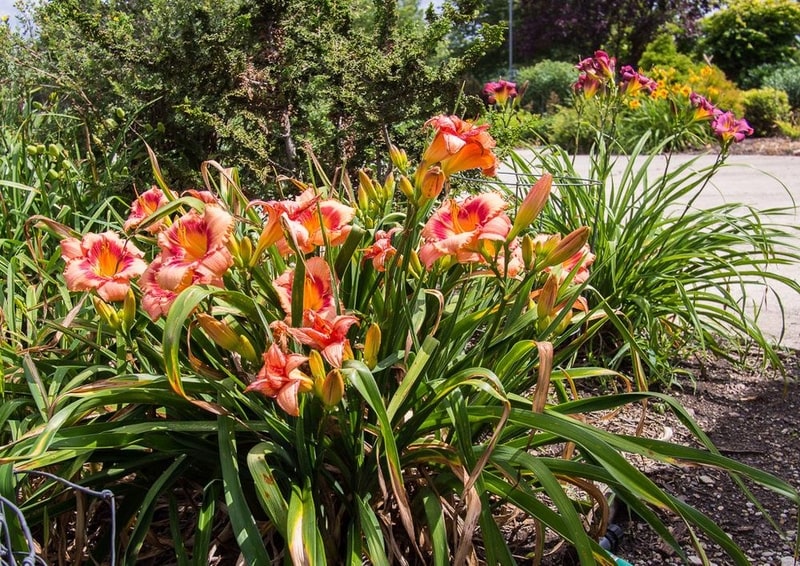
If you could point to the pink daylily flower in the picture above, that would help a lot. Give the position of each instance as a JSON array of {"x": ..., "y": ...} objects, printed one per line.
[
  {"x": 309, "y": 220},
  {"x": 146, "y": 204},
  {"x": 704, "y": 109},
  {"x": 499, "y": 92},
  {"x": 327, "y": 336},
  {"x": 382, "y": 250},
  {"x": 101, "y": 262},
  {"x": 632, "y": 82},
  {"x": 729, "y": 129},
  {"x": 596, "y": 73},
  {"x": 160, "y": 288},
  {"x": 195, "y": 246},
  {"x": 459, "y": 145},
  {"x": 461, "y": 229},
  {"x": 317, "y": 292},
  {"x": 281, "y": 379}
]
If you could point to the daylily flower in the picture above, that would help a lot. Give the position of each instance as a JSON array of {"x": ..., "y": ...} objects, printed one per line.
[
  {"x": 309, "y": 221},
  {"x": 601, "y": 66},
  {"x": 596, "y": 73},
  {"x": 160, "y": 289},
  {"x": 317, "y": 293},
  {"x": 459, "y": 145},
  {"x": 499, "y": 92},
  {"x": 704, "y": 109},
  {"x": 327, "y": 336},
  {"x": 382, "y": 250},
  {"x": 588, "y": 85},
  {"x": 195, "y": 247},
  {"x": 461, "y": 229},
  {"x": 281, "y": 379},
  {"x": 103, "y": 262},
  {"x": 729, "y": 129},
  {"x": 146, "y": 204},
  {"x": 632, "y": 82}
]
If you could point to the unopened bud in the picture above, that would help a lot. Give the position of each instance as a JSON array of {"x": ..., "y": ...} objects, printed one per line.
[
  {"x": 430, "y": 182},
  {"x": 388, "y": 186},
  {"x": 332, "y": 388},
  {"x": 547, "y": 298},
  {"x": 372, "y": 345},
  {"x": 128, "y": 311},
  {"x": 406, "y": 187},
  {"x": 246, "y": 250},
  {"x": 365, "y": 183},
  {"x": 398, "y": 157},
  {"x": 528, "y": 254},
  {"x": 569, "y": 245},
  {"x": 106, "y": 312},
  {"x": 317, "y": 366},
  {"x": 221, "y": 333},
  {"x": 532, "y": 205}
]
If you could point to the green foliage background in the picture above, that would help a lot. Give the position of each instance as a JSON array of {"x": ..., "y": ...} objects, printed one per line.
[{"x": 251, "y": 82}]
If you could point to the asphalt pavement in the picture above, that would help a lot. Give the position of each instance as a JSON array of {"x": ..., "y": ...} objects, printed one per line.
[{"x": 763, "y": 182}]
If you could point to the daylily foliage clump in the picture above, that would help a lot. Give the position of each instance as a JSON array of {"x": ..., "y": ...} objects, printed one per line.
[{"x": 386, "y": 360}]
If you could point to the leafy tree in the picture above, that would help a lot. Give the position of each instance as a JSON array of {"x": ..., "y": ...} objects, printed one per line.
[
  {"x": 569, "y": 29},
  {"x": 752, "y": 33},
  {"x": 251, "y": 83}
]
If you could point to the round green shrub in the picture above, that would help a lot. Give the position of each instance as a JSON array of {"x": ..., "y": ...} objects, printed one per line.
[
  {"x": 549, "y": 84},
  {"x": 786, "y": 79},
  {"x": 764, "y": 107}
]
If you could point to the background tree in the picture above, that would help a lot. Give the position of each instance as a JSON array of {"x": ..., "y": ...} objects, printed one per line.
[
  {"x": 570, "y": 29},
  {"x": 250, "y": 83},
  {"x": 748, "y": 34}
]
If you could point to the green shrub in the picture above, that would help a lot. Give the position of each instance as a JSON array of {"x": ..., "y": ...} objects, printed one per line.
[
  {"x": 764, "y": 107},
  {"x": 750, "y": 33},
  {"x": 549, "y": 84},
  {"x": 787, "y": 79},
  {"x": 662, "y": 52}
]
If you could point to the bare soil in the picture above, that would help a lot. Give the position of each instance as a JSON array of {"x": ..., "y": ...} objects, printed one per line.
[{"x": 752, "y": 416}]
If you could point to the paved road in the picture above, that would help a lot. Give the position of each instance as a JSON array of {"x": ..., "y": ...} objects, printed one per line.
[{"x": 764, "y": 182}]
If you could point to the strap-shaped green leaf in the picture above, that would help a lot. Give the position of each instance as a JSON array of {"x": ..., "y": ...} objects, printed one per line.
[{"x": 242, "y": 521}]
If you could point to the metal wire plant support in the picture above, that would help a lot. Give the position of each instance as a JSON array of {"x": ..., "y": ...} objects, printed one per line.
[{"x": 29, "y": 557}]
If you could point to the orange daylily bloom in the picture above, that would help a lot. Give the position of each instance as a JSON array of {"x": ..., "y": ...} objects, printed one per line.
[
  {"x": 317, "y": 293},
  {"x": 281, "y": 379},
  {"x": 195, "y": 246},
  {"x": 327, "y": 336},
  {"x": 309, "y": 221},
  {"x": 103, "y": 262},
  {"x": 462, "y": 229},
  {"x": 459, "y": 145},
  {"x": 146, "y": 204}
]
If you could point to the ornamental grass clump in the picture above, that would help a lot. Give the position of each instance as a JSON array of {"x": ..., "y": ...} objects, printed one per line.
[
  {"x": 373, "y": 370},
  {"x": 681, "y": 277}
]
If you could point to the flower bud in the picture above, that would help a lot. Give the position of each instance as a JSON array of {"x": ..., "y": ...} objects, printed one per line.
[
  {"x": 398, "y": 157},
  {"x": 106, "y": 312},
  {"x": 569, "y": 245},
  {"x": 246, "y": 350},
  {"x": 372, "y": 345},
  {"x": 246, "y": 250},
  {"x": 317, "y": 366},
  {"x": 221, "y": 333},
  {"x": 532, "y": 205},
  {"x": 332, "y": 388},
  {"x": 528, "y": 254},
  {"x": 406, "y": 187},
  {"x": 430, "y": 182},
  {"x": 415, "y": 264},
  {"x": 128, "y": 311},
  {"x": 365, "y": 183},
  {"x": 388, "y": 186},
  {"x": 547, "y": 298}
]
